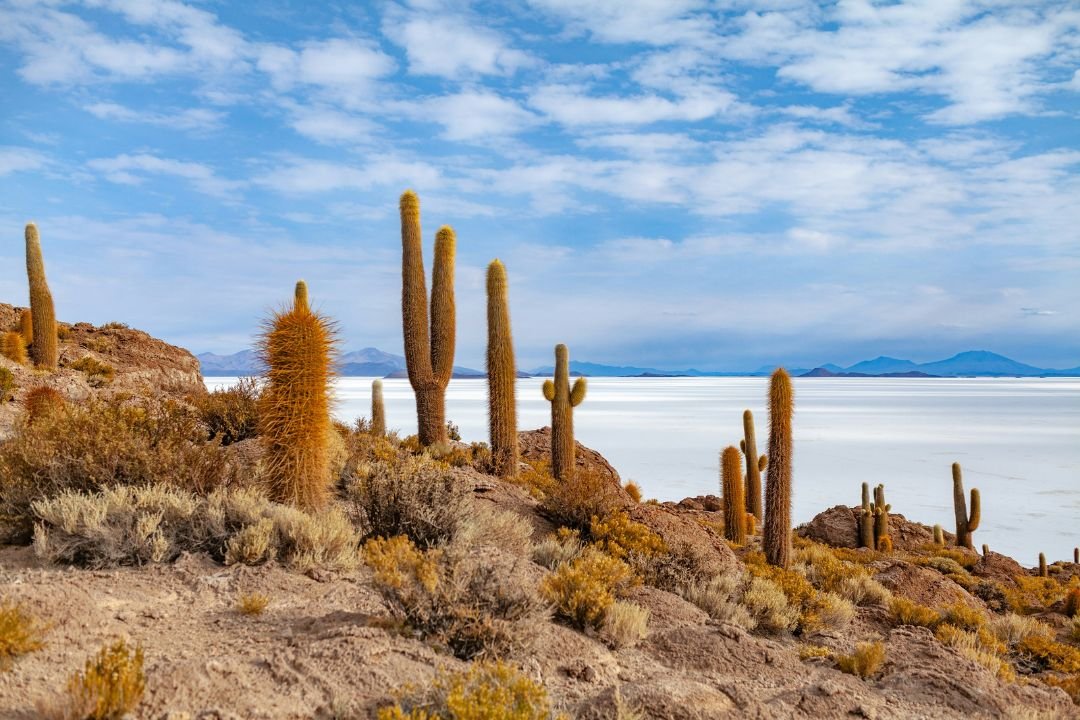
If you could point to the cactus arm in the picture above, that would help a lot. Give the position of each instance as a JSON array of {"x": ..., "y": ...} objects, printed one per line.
[
  {"x": 443, "y": 311},
  {"x": 577, "y": 393},
  {"x": 762, "y": 463},
  {"x": 976, "y": 511},
  {"x": 300, "y": 297},
  {"x": 549, "y": 391}
]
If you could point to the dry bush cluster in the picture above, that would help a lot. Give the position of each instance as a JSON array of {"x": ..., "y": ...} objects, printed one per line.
[
  {"x": 109, "y": 687},
  {"x": 231, "y": 414},
  {"x": 20, "y": 633}
]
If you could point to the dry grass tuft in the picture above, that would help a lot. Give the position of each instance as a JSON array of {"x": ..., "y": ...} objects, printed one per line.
[
  {"x": 624, "y": 624},
  {"x": 577, "y": 501},
  {"x": 908, "y": 612},
  {"x": 865, "y": 661},
  {"x": 252, "y": 603},
  {"x": 584, "y": 589},
  {"x": 721, "y": 597},
  {"x": 20, "y": 633},
  {"x": 633, "y": 490},
  {"x": 810, "y": 652},
  {"x": 98, "y": 373},
  {"x": 109, "y": 687}
]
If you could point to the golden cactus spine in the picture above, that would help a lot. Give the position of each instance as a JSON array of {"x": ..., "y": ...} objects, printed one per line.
[
  {"x": 297, "y": 347},
  {"x": 43, "y": 350},
  {"x": 754, "y": 465},
  {"x": 563, "y": 399},
  {"x": 501, "y": 375},
  {"x": 965, "y": 523},
  {"x": 776, "y": 540},
  {"x": 732, "y": 488},
  {"x": 13, "y": 347},
  {"x": 378, "y": 410},
  {"x": 429, "y": 351},
  {"x": 26, "y": 326}
]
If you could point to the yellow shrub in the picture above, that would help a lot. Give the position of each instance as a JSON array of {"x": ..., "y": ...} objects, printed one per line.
[
  {"x": 252, "y": 603},
  {"x": 97, "y": 372},
  {"x": 633, "y": 490},
  {"x": 807, "y": 652},
  {"x": 1032, "y": 594},
  {"x": 486, "y": 691},
  {"x": 979, "y": 646},
  {"x": 620, "y": 537},
  {"x": 817, "y": 610},
  {"x": 963, "y": 616},
  {"x": 398, "y": 563},
  {"x": 576, "y": 501},
  {"x": 1050, "y": 654},
  {"x": 865, "y": 661},
  {"x": 1070, "y": 684},
  {"x": 584, "y": 589},
  {"x": 20, "y": 633},
  {"x": 110, "y": 686},
  {"x": 908, "y": 612}
]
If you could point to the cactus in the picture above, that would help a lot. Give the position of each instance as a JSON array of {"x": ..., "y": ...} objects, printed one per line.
[
  {"x": 885, "y": 544},
  {"x": 1076, "y": 556},
  {"x": 297, "y": 347},
  {"x": 43, "y": 350},
  {"x": 939, "y": 536},
  {"x": 881, "y": 518},
  {"x": 378, "y": 411},
  {"x": 1072, "y": 602},
  {"x": 501, "y": 375},
  {"x": 26, "y": 326},
  {"x": 866, "y": 520},
  {"x": 986, "y": 550},
  {"x": 1043, "y": 570},
  {"x": 300, "y": 297},
  {"x": 429, "y": 352},
  {"x": 732, "y": 488},
  {"x": 13, "y": 347},
  {"x": 42, "y": 401},
  {"x": 965, "y": 524},
  {"x": 754, "y": 466},
  {"x": 751, "y": 524},
  {"x": 777, "y": 530},
  {"x": 563, "y": 399}
]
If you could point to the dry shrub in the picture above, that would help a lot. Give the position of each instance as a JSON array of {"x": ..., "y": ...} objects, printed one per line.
[
  {"x": 105, "y": 443},
  {"x": 109, "y": 687},
  {"x": 622, "y": 538},
  {"x": 584, "y": 589},
  {"x": 485, "y": 691},
  {"x": 477, "y": 606},
  {"x": 415, "y": 497},
  {"x": 20, "y": 633},
  {"x": 682, "y": 565},
  {"x": 42, "y": 401},
  {"x": 966, "y": 560},
  {"x": 7, "y": 384},
  {"x": 863, "y": 590},
  {"x": 944, "y": 565},
  {"x": 252, "y": 603},
  {"x": 134, "y": 526},
  {"x": 909, "y": 612},
  {"x": 1033, "y": 594},
  {"x": 1072, "y": 603},
  {"x": 828, "y": 612},
  {"x": 1012, "y": 629},
  {"x": 963, "y": 616},
  {"x": 816, "y": 610},
  {"x": 721, "y": 598},
  {"x": 1070, "y": 684},
  {"x": 575, "y": 502},
  {"x": 488, "y": 526},
  {"x": 624, "y": 624},
  {"x": 980, "y": 646},
  {"x": 98, "y": 373},
  {"x": 1074, "y": 630},
  {"x": 231, "y": 414},
  {"x": 558, "y": 548},
  {"x": 1048, "y": 654},
  {"x": 865, "y": 661},
  {"x": 633, "y": 490},
  {"x": 810, "y": 652},
  {"x": 769, "y": 607}
]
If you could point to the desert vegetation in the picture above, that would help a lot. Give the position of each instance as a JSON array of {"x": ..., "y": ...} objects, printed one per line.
[{"x": 516, "y": 578}]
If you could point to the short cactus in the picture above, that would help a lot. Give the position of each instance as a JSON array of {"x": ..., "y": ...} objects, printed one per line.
[
  {"x": 41, "y": 402},
  {"x": 881, "y": 518},
  {"x": 776, "y": 539},
  {"x": 866, "y": 519},
  {"x": 754, "y": 465},
  {"x": 563, "y": 399},
  {"x": 939, "y": 536},
  {"x": 501, "y": 375},
  {"x": 26, "y": 326},
  {"x": 378, "y": 410},
  {"x": 429, "y": 352},
  {"x": 13, "y": 347},
  {"x": 986, "y": 550},
  {"x": 1044, "y": 571},
  {"x": 965, "y": 524},
  {"x": 297, "y": 347},
  {"x": 43, "y": 350},
  {"x": 732, "y": 488},
  {"x": 1076, "y": 556}
]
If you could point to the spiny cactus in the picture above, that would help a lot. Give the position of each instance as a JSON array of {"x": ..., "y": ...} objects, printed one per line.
[
  {"x": 1076, "y": 556},
  {"x": 42, "y": 401},
  {"x": 965, "y": 524},
  {"x": 300, "y": 296},
  {"x": 297, "y": 347},
  {"x": 754, "y": 465},
  {"x": 563, "y": 399},
  {"x": 881, "y": 518},
  {"x": 378, "y": 410},
  {"x": 939, "y": 536},
  {"x": 44, "y": 349},
  {"x": 866, "y": 519},
  {"x": 777, "y": 530},
  {"x": 429, "y": 352},
  {"x": 986, "y": 550},
  {"x": 13, "y": 347},
  {"x": 732, "y": 488},
  {"x": 1043, "y": 570},
  {"x": 26, "y": 326},
  {"x": 501, "y": 375},
  {"x": 1072, "y": 602}
]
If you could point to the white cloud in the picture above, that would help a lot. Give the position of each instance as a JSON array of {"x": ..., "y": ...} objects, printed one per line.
[
  {"x": 477, "y": 114},
  {"x": 313, "y": 176},
  {"x": 451, "y": 46},
  {"x": 574, "y": 106},
  {"x": 341, "y": 65},
  {"x": 19, "y": 159},
  {"x": 189, "y": 119},
  {"x": 327, "y": 125},
  {"x": 131, "y": 169},
  {"x": 653, "y": 22},
  {"x": 838, "y": 115}
]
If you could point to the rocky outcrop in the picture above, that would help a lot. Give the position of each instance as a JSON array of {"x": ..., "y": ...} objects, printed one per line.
[
  {"x": 839, "y": 527},
  {"x": 535, "y": 445}
]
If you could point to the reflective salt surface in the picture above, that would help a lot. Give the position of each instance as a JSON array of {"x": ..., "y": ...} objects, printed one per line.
[{"x": 1018, "y": 441}]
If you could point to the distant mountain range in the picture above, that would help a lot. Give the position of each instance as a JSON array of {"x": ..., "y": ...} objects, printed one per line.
[{"x": 372, "y": 362}]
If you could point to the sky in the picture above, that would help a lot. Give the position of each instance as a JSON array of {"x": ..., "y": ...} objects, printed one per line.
[{"x": 670, "y": 183}]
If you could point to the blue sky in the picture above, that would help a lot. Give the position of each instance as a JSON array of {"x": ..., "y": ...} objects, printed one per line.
[{"x": 669, "y": 182}]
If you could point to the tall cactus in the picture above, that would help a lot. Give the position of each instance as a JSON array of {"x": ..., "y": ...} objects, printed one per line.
[
  {"x": 429, "y": 353},
  {"x": 1043, "y": 570},
  {"x": 501, "y": 375},
  {"x": 732, "y": 488},
  {"x": 882, "y": 539},
  {"x": 965, "y": 524},
  {"x": 866, "y": 519},
  {"x": 563, "y": 399},
  {"x": 43, "y": 351},
  {"x": 777, "y": 531},
  {"x": 297, "y": 347},
  {"x": 378, "y": 410},
  {"x": 754, "y": 465}
]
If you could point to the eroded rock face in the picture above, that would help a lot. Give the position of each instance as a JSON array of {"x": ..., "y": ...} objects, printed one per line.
[
  {"x": 922, "y": 584},
  {"x": 143, "y": 365},
  {"x": 535, "y": 445}
]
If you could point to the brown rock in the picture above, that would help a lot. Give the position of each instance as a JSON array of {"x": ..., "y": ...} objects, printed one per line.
[
  {"x": 923, "y": 585},
  {"x": 839, "y": 527},
  {"x": 536, "y": 445}
]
